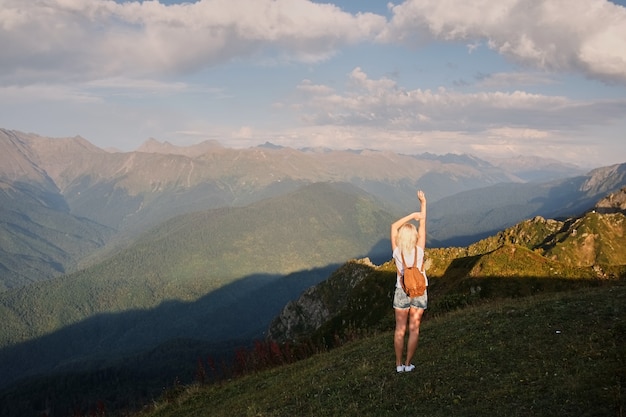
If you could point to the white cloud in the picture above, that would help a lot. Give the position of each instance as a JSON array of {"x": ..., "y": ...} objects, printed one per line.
[
  {"x": 125, "y": 71},
  {"x": 587, "y": 36},
  {"x": 383, "y": 103},
  {"x": 244, "y": 132},
  {"x": 379, "y": 113},
  {"x": 77, "y": 39}
]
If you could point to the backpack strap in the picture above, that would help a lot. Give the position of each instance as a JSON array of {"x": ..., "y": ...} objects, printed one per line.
[
  {"x": 421, "y": 268},
  {"x": 414, "y": 260}
]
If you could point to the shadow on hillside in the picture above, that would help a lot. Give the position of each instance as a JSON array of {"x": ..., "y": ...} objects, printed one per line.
[
  {"x": 135, "y": 353},
  {"x": 129, "y": 357},
  {"x": 156, "y": 345},
  {"x": 241, "y": 310},
  {"x": 147, "y": 349}
]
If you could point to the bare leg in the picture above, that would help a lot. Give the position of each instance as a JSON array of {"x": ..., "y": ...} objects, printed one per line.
[
  {"x": 398, "y": 337},
  {"x": 415, "y": 319}
]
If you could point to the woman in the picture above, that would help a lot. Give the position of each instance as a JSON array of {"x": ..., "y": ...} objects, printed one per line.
[{"x": 406, "y": 239}]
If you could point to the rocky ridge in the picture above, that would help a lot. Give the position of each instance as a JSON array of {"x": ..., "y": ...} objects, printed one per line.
[
  {"x": 319, "y": 303},
  {"x": 586, "y": 248},
  {"x": 614, "y": 202}
]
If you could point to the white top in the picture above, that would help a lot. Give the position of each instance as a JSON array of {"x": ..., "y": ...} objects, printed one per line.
[{"x": 397, "y": 257}]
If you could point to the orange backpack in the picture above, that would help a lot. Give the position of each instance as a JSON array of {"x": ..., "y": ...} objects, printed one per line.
[{"x": 413, "y": 280}]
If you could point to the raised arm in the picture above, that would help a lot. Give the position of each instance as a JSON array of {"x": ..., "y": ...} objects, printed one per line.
[{"x": 421, "y": 239}]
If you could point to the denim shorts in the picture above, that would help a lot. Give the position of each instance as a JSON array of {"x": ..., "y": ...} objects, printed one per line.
[{"x": 403, "y": 301}]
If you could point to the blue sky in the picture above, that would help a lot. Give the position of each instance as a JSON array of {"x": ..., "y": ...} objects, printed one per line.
[{"x": 492, "y": 79}]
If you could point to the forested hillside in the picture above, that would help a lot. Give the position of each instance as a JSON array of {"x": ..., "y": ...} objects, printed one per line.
[{"x": 185, "y": 278}]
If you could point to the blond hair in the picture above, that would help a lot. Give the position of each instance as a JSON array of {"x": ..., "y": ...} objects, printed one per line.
[{"x": 406, "y": 239}]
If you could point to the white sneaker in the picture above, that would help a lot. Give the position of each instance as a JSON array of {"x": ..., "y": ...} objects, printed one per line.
[
  {"x": 400, "y": 368},
  {"x": 409, "y": 368}
]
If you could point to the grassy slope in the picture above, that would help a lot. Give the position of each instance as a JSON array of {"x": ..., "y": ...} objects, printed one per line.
[{"x": 553, "y": 354}]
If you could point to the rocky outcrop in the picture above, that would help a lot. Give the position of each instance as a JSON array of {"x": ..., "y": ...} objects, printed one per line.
[
  {"x": 613, "y": 203},
  {"x": 319, "y": 303},
  {"x": 604, "y": 180}
]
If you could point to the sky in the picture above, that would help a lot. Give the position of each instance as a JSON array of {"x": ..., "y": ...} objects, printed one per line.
[{"x": 494, "y": 79}]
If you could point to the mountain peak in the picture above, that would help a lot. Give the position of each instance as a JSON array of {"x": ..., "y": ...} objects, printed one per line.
[
  {"x": 270, "y": 145},
  {"x": 152, "y": 145}
]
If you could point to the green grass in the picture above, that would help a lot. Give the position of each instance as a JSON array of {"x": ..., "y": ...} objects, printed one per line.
[{"x": 553, "y": 354}]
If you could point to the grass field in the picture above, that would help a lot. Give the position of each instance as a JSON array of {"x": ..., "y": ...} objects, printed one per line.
[{"x": 559, "y": 354}]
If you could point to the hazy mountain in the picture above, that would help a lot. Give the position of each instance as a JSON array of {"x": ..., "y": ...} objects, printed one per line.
[
  {"x": 154, "y": 146},
  {"x": 213, "y": 276},
  {"x": 39, "y": 236},
  {"x": 466, "y": 217},
  {"x": 537, "y": 169},
  {"x": 129, "y": 193}
]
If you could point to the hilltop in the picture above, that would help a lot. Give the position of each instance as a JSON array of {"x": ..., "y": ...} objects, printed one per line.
[{"x": 558, "y": 354}]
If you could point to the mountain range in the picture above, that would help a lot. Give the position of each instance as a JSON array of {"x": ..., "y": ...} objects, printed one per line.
[
  {"x": 67, "y": 204},
  {"x": 109, "y": 260}
]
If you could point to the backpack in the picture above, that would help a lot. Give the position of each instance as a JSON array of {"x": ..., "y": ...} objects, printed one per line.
[{"x": 413, "y": 280}]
